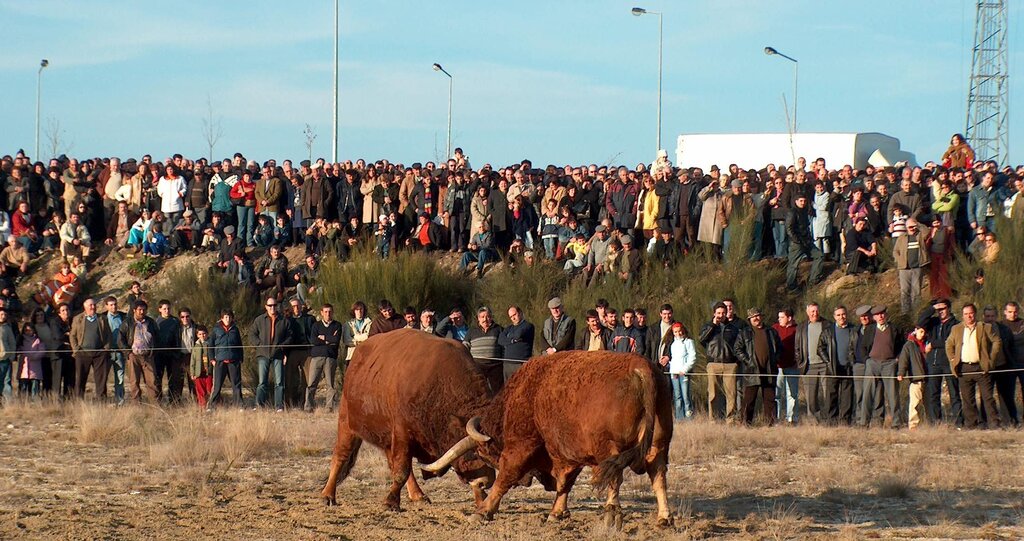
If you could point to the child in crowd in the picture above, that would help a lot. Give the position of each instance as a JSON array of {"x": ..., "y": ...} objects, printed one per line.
[
  {"x": 282, "y": 231},
  {"x": 263, "y": 235},
  {"x": 385, "y": 230},
  {"x": 200, "y": 369},
  {"x": 898, "y": 227},
  {"x": 30, "y": 356}
]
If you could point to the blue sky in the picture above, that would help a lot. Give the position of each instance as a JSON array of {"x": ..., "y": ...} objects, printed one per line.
[{"x": 559, "y": 82}]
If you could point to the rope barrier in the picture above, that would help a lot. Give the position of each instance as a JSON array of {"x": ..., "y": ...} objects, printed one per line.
[{"x": 807, "y": 376}]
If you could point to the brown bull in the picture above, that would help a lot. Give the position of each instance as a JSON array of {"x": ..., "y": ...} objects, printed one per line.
[
  {"x": 409, "y": 393},
  {"x": 562, "y": 412}
]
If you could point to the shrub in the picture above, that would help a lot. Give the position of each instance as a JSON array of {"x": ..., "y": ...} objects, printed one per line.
[{"x": 144, "y": 267}]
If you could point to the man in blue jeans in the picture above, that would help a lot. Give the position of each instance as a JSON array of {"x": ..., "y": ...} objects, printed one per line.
[
  {"x": 115, "y": 318},
  {"x": 271, "y": 333}
]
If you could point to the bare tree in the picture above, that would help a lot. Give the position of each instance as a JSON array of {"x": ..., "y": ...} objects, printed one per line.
[
  {"x": 213, "y": 128},
  {"x": 56, "y": 137},
  {"x": 310, "y": 134}
]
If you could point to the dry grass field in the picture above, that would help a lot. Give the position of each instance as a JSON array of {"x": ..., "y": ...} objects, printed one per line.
[{"x": 95, "y": 472}]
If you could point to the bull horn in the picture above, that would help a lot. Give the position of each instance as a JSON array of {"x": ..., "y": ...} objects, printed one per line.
[
  {"x": 464, "y": 446},
  {"x": 473, "y": 429}
]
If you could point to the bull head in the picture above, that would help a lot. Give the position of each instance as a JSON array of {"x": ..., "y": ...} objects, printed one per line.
[{"x": 464, "y": 446}]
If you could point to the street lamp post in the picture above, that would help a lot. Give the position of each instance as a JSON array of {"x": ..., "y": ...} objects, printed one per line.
[
  {"x": 638, "y": 12},
  {"x": 771, "y": 51},
  {"x": 39, "y": 93},
  {"x": 334, "y": 126},
  {"x": 448, "y": 147}
]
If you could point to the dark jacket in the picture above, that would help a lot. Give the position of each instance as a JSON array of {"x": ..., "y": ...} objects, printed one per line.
[
  {"x": 911, "y": 362},
  {"x": 583, "y": 342},
  {"x": 259, "y": 336},
  {"x": 168, "y": 334},
  {"x": 328, "y": 345},
  {"x": 774, "y": 350},
  {"x": 562, "y": 337},
  {"x": 226, "y": 343},
  {"x": 78, "y": 330},
  {"x": 722, "y": 344},
  {"x": 301, "y": 330},
  {"x": 517, "y": 341},
  {"x": 798, "y": 228},
  {"x": 868, "y": 339},
  {"x": 126, "y": 333},
  {"x": 628, "y": 340},
  {"x": 803, "y": 350},
  {"x": 380, "y": 325},
  {"x": 827, "y": 348}
]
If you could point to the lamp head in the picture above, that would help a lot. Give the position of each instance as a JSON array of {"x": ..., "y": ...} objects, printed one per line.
[
  {"x": 770, "y": 51},
  {"x": 43, "y": 63},
  {"x": 437, "y": 67},
  {"x": 638, "y": 11}
]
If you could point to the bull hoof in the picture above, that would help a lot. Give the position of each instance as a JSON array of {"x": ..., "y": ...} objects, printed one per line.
[
  {"x": 613, "y": 517},
  {"x": 477, "y": 518},
  {"x": 329, "y": 500},
  {"x": 393, "y": 507},
  {"x": 555, "y": 517},
  {"x": 666, "y": 522},
  {"x": 423, "y": 498}
]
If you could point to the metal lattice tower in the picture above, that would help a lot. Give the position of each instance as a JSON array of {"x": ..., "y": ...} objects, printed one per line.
[{"x": 988, "y": 103}]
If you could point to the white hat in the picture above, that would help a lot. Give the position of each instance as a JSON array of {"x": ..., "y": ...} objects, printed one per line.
[{"x": 662, "y": 153}]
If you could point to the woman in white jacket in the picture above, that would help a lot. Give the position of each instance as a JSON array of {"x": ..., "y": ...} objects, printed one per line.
[{"x": 682, "y": 357}]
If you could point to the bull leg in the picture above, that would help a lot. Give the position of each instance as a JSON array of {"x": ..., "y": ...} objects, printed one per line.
[
  {"x": 612, "y": 508},
  {"x": 509, "y": 474},
  {"x": 564, "y": 480},
  {"x": 415, "y": 492},
  {"x": 400, "y": 461},
  {"x": 346, "y": 449},
  {"x": 657, "y": 472}
]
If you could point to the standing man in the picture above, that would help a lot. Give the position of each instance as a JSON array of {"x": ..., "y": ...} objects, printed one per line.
[
  {"x": 939, "y": 323},
  {"x": 836, "y": 346},
  {"x": 911, "y": 256},
  {"x": 167, "y": 355},
  {"x": 90, "y": 338},
  {"x": 763, "y": 349},
  {"x": 972, "y": 348},
  {"x": 801, "y": 243},
  {"x": 726, "y": 357},
  {"x": 1003, "y": 382},
  {"x": 137, "y": 337},
  {"x": 8, "y": 353},
  {"x": 787, "y": 390},
  {"x": 516, "y": 341},
  {"x": 1015, "y": 357},
  {"x": 880, "y": 345},
  {"x": 659, "y": 335},
  {"x": 296, "y": 378},
  {"x": 812, "y": 364},
  {"x": 269, "y": 335},
  {"x": 859, "y": 361},
  {"x": 388, "y": 320},
  {"x": 187, "y": 339},
  {"x": 626, "y": 338},
  {"x": 114, "y": 321},
  {"x": 325, "y": 337},
  {"x": 597, "y": 337},
  {"x": 482, "y": 342},
  {"x": 559, "y": 329}
]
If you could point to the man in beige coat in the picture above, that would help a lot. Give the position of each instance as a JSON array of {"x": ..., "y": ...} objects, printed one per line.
[{"x": 973, "y": 349}]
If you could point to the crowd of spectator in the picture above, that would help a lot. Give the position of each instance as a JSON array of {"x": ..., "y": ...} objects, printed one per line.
[{"x": 598, "y": 222}]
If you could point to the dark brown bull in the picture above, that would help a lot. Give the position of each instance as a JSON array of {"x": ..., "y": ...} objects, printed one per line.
[
  {"x": 409, "y": 393},
  {"x": 562, "y": 412}
]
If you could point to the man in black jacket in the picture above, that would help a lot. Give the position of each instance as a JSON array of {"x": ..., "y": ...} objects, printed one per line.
[
  {"x": 516, "y": 341},
  {"x": 595, "y": 337},
  {"x": 726, "y": 356},
  {"x": 801, "y": 243},
  {"x": 880, "y": 345},
  {"x": 836, "y": 346},
  {"x": 167, "y": 356},
  {"x": 271, "y": 332},
  {"x": 938, "y": 321},
  {"x": 681, "y": 203},
  {"x": 324, "y": 338},
  {"x": 763, "y": 347}
]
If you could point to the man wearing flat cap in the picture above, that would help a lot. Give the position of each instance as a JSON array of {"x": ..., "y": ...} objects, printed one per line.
[
  {"x": 880, "y": 345},
  {"x": 863, "y": 313},
  {"x": 559, "y": 329},
  {"x": 763, "y": 349},
  {"x": 939, "y": 321}
]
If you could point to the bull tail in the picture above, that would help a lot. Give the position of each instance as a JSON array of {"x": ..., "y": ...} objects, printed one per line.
[{"x": 610, "y": 469}]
